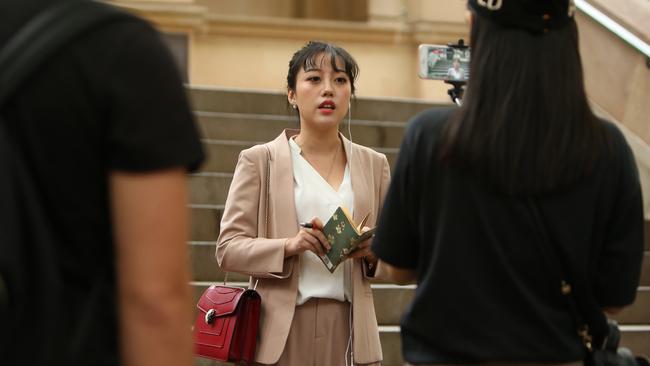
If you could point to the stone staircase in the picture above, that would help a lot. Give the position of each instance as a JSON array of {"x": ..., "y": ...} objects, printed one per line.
[{"x": 231, "y": 120}]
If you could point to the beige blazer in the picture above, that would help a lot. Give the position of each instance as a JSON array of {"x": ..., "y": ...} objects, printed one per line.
[{"x": 252, "y": 245}]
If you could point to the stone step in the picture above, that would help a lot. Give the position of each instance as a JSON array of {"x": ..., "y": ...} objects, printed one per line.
[
  {"x": 206, "y": 220},
  {"x": 266, "y": 127},
  {"x": 200, "y": 361},
  {"x": 222, "y": 155},
  {"x": 647, "y": 235},
  {"x": 214, "y": 99},
  {"x": 205, "y": 266},
  {"x": 391, "y": 300},
  {"x": 209, "y": 188},
  {"x": 635, "y": 337},
  {"x": 645, "y": 269},
  {"x": 639, "y": 312}
]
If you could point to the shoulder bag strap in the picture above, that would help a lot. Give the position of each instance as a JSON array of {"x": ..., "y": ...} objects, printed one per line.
[
  {"x": 44, "y": 34},
  {"x": 590, "y": 319}
]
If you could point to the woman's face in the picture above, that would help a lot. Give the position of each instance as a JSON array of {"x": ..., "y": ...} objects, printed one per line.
[{"x": 322, "y": 94}]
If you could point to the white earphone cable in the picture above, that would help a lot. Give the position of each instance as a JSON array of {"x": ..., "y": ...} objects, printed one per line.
[
  {"x": 348, "y": 348},
  {"x": 350, "y": 137},
  {"x": 350, "y": 121}
]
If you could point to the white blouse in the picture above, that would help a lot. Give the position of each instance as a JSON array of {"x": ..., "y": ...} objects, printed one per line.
[{"x": 315, "y": 197}]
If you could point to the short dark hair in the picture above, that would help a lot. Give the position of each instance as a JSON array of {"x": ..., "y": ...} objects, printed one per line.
[
  {"x": 525, "y": 125},
  {"x": 305, "y": 58}
]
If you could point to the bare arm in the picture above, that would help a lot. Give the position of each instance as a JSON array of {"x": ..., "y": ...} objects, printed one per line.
[
  {"x": 150, "y": 221},
  {"x": 400, "y": 276},
  {"x": 613, "y": 310}
]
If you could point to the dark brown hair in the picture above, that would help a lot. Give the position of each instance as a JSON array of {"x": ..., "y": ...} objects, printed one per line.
[{"x": 306, "y": 58}]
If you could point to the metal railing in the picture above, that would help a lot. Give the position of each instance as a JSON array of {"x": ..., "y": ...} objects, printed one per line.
[{"x": 613, "y": 27}]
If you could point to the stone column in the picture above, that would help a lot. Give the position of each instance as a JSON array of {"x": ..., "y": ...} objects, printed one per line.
[
  {"x": 350, "y": 10},
  {"x": 435, "y": 11},
  {"x": 387, "y": 12}
]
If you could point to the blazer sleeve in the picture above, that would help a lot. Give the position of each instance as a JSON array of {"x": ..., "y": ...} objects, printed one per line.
[
  {"x": 382, "y": 189},
  {"x": 239, "y": 249}
]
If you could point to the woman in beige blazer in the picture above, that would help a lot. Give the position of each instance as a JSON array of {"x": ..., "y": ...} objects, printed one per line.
[{"x": 261, "y": 234}]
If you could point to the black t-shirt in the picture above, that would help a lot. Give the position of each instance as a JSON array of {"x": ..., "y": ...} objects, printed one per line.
[
  {"x": 111, "y": 100},
  {"x": 487, "y": 290}
]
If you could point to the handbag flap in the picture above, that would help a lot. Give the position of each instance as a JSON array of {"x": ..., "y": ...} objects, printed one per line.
[{"x": 223, "y": 299}]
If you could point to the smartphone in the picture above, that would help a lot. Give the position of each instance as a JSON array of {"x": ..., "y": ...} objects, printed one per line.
[{"x": 443, "y": 62}]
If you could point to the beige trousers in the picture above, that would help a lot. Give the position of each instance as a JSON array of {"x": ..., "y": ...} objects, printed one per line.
[{"x": 319, "y": 335}]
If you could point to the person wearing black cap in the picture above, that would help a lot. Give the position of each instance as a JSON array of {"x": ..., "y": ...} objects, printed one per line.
[{"x": 483, "y": 193}]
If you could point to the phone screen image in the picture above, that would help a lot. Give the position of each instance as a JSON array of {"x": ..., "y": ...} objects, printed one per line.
[{"x": 443, "y": 62}]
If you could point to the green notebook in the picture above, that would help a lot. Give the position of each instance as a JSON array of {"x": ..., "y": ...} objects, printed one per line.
[{"x": 344, "y": 237}]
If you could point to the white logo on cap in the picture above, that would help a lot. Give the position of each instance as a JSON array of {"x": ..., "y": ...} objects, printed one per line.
[
  {"x": 491, "y": 4},
  {"x": 572, "y": 8}
]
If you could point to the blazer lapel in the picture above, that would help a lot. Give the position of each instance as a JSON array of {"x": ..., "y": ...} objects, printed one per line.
[
  {"x": 281, "y": 185},
  {"x": 283, "y": 218},
  {"x": 360, "y": 186}
]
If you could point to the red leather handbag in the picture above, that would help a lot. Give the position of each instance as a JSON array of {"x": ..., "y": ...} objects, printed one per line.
[{"x": 226, "y": 325}]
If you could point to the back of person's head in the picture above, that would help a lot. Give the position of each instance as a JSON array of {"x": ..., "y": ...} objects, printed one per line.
[{"x": 525, "y": 125}]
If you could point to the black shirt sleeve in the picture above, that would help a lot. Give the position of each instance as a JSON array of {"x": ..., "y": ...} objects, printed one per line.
[
  {"x": 150, "y": 124},
  {"x": 619, "y": 265},
  {"x": 396, "y": 241}
]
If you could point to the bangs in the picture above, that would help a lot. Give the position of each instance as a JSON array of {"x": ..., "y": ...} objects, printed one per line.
[
  {"x": 316, "y": 60},
  {"x": 340, "y": 60},
  {"x": 313, "y": 55}
]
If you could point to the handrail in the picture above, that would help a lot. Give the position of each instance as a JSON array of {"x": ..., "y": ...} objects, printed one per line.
[{"x": 613, "y": 27}]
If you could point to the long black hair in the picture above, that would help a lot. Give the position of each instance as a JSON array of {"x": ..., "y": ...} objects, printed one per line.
[{"x": 525, "y": 125}]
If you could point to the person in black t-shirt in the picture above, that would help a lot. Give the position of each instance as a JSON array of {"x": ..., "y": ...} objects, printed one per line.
[
  {"x": 107, "y": 131},
  {"x": 459, "y": 217}
]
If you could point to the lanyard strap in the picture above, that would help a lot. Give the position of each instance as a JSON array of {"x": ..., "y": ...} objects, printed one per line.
[{"x": 590, "y": 321}]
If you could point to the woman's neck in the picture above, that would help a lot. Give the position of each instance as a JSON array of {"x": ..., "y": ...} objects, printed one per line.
[{"x": 317, "y": 142}]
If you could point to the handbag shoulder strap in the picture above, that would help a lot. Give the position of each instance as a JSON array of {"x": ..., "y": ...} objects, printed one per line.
[
  {"x": 589, "y": 318},
  {"x": 44, "y": 34}
]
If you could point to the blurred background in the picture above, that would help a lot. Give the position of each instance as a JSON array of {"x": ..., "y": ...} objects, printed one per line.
[
  {"x": 234, "y": 54},
  {"x": 248, "y": 43}
]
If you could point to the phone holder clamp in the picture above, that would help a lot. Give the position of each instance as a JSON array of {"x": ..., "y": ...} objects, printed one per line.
[{"x": 456, "y": 93}]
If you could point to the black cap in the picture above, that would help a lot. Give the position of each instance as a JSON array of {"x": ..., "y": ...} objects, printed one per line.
[{"x": 536, "y": 16}]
